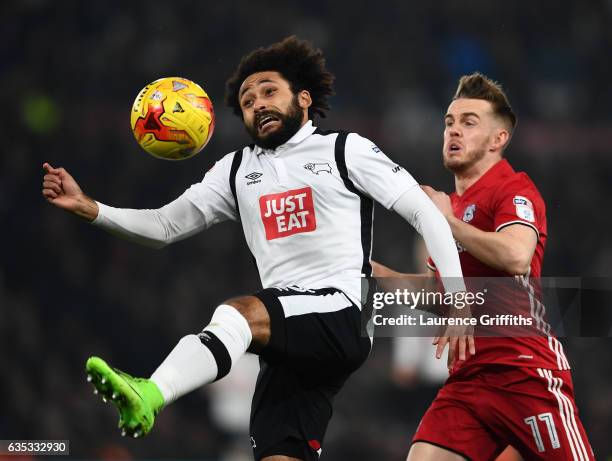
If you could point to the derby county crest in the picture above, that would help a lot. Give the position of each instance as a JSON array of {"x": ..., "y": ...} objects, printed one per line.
[{"x": 468, "y": 214}]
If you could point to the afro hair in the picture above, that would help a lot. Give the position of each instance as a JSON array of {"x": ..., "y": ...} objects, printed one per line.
[{"x": 302, "y": 65}]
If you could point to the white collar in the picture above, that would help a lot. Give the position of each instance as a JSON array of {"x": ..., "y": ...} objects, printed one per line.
[{"x": 306, "y": 130}]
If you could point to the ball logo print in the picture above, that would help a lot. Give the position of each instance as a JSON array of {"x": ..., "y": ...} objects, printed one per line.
[
  {"x": 288, "y": 213},
  {"x": 172, "y": 118},
  {"x": 178, "y": 85}
]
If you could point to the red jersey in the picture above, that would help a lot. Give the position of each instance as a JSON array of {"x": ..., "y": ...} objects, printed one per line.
[{"x": 500, "y": 198}]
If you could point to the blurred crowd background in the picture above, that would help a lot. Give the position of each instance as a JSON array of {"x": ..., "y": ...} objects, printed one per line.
[{"x": 70, "y": 71}]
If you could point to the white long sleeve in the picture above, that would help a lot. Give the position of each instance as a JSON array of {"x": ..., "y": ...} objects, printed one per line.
[
  {"x": 155, "y": 228},
  {"x": 416, "y": 208}
]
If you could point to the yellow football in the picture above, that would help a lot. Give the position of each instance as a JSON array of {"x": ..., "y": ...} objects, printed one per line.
[{"x": 172, "y": 118}]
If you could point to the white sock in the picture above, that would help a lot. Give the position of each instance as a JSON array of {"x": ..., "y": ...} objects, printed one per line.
[{"x": 201, "y": 359}]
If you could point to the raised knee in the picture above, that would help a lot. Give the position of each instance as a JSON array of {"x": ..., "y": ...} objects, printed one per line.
[
  {"x": 254, "y": 311},
  {"x": 242, "y": 304},
  {"x": 250, "y": 307}
]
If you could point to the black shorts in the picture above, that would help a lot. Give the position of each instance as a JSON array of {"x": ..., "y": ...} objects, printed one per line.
[{"x": 315, "y": 345}]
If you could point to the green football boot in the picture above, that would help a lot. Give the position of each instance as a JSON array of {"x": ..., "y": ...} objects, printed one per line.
[{"x": 137, "y": 399}]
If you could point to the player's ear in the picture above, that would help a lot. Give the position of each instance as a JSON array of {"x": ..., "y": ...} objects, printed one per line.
[
  {"x": 304, "y": 99},
  {"x": 500, "y": 139}
]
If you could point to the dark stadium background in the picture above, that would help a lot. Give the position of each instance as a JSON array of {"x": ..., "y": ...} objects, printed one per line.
[{"x": 69, "y": 72}]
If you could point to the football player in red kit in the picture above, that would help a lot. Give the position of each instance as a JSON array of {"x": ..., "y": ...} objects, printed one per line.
[{"x": 514, "y": 390}]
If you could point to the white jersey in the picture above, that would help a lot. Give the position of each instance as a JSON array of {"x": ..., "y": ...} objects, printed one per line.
[{"x": 306, "y": 207}]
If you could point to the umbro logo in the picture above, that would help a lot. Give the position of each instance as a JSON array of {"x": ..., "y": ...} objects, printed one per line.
[{"x": 253, "y": 177}]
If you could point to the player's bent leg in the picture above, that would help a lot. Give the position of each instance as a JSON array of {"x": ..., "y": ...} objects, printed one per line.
[
  {"x": 195, "y": 361},
  {"x": 422, "y": 451},
  {"x": 209, "y": 356}
]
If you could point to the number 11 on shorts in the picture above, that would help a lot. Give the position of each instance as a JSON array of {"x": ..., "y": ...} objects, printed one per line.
[{"x": 532, "y": 421}]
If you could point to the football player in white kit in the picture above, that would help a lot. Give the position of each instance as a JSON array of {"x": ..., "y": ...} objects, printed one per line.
[{"x": 304, "y": 198}]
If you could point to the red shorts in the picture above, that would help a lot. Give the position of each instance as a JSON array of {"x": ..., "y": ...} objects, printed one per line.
[{"x": 478, "y": 413}]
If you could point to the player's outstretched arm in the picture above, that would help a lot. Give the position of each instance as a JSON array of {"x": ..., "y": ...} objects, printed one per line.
[
  {"x": 154, "y": 228},
  {"x": 60, "y": 189}
]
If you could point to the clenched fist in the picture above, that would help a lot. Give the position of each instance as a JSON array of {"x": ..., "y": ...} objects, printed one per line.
[{"x": 61, "y": 190}]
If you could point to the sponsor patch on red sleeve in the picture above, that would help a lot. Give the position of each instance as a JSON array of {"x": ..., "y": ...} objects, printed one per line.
[
  {"x": 288, "y": 213},
  {"x": 524, "y": 208}
]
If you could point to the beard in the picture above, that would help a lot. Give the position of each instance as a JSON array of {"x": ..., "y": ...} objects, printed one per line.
[
  {"x": 290, "y": 123},
  {"x": 461, "y": 165}
]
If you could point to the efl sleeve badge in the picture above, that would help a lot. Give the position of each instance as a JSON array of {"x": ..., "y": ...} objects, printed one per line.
[{"x": 524, "y": 208}]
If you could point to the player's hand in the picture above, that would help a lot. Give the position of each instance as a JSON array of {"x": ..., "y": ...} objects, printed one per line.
[
  {"x": 61, "y": 190},
  {"x": 440, "y": 199},
  {"x": 460, "y": 343},
  {"x": 459, "y": 338}
]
